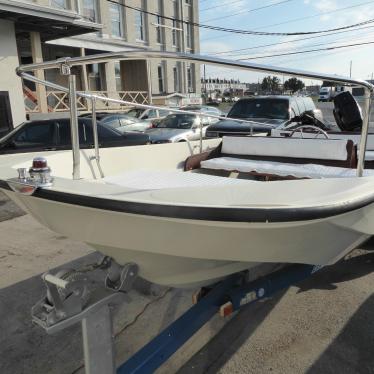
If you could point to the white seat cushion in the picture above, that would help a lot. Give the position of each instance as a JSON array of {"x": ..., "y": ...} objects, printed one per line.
[
  {"x": 354, "y": 137},
  {"x": 369, "y": 155},
  {"x": 280, "y": 168},
  {"x": 323, "y": 149}
]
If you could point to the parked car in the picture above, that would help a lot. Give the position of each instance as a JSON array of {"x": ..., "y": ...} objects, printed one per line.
[
  {"x": 54, "y": 135},
  {"x": 180, "y": 127},
  {"x": 120, "y": 121},
  {"x": 266, "y": 112},
  {"x": 148, "y": 114},
  {"x": 214, "y": 102},
  {"x": 206, "y": 109}
]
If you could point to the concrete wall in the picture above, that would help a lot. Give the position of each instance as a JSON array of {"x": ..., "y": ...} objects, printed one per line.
[{"x": 9, "y": 81}]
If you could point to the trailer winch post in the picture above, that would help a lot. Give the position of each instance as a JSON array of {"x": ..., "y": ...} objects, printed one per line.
[{"x": 98, "y": 344}]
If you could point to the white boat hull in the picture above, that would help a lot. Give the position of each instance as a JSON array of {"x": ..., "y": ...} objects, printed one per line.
[
  {"x": 185, "y": 253},
  {"x": 194, "y": 235}
]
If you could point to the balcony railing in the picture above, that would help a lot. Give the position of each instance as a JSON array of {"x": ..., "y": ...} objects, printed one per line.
[{"x": 58, "y": 101}]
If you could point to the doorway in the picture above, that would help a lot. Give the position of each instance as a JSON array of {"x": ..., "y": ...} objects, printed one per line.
[{"x": 6, "y": 122}]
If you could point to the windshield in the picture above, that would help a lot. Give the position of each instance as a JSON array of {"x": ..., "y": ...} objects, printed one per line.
[
  {"x": 260, "y": 108},
  {"x": 177, "y": 121},
  {"x": 14, "y": 131},
  {"x": 135, "y": 113}
]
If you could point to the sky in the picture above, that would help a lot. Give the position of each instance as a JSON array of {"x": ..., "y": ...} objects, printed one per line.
[{"x": 289, "y": 16}]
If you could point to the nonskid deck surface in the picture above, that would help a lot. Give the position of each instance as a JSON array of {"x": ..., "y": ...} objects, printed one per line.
[
  {"x": 167, "y": 179},
  {"x": 181, "y": 188}
]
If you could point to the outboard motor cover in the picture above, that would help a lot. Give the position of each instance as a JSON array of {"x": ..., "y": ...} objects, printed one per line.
[{"x": 347, "y": 112}]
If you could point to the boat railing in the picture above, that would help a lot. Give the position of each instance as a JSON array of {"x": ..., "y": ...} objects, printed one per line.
[{"x": 66, "y": 64}]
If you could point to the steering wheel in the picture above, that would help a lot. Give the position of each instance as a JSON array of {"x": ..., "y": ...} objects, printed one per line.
[{"x": 318, "y": 130}]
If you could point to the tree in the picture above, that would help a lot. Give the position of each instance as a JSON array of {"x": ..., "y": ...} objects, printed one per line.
[
  {"x": 270, "y": 84},
  {"x": 293, "y": 85}
]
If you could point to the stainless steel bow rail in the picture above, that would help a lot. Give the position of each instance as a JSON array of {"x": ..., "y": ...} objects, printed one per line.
[
  {"x": 68, "y": 301},
  {"x": 65, "y": 65}
]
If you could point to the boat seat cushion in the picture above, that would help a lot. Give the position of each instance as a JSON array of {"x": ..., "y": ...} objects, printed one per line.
[
  {"x": 281, "y": 169},
  {"x": 329, "y": 152},
  {"x": 323, "y": 149}
]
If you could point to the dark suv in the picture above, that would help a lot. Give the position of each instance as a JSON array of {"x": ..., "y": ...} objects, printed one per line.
[
  {"x": 265, "y": 113},
  {"x": 53, "y": 135}
]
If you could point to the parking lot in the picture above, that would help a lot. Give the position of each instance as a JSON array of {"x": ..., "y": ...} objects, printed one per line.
[{"x": 322, "y": 325}]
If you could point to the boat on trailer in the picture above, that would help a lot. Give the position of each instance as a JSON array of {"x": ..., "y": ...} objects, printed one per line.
[{"x": 192, "y": 213}]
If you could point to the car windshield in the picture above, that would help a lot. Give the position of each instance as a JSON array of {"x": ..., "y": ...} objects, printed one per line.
[
  {"x": 10, "y": 134},
  {"x": 177, "y": 121},
  {"x": 135, "y": 113},
  {"x": 260, "y": 108}
]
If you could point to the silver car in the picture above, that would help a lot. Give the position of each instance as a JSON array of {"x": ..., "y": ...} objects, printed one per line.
[
  {"x": 179, "y": 128},
  {"x": 148, "y": 115}
]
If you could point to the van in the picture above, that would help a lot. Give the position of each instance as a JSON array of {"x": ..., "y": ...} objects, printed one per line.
[{"x": 326, "y": 94}]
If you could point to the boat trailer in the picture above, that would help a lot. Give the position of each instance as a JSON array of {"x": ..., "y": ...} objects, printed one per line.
[{"x": 68, "y": 301}]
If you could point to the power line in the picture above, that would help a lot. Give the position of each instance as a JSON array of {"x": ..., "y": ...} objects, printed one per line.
[
  {"x": 307, "y": 51},
  {"x": 290, "y": 41},
  {"x": 238, "y": 31},
  {"x": 358, "y": 38},
  {"x": 300, "y": 19},
  {"x": 247, "y": 11},
  {"x": 321, "y": 54},
  {"x": 219, "y": 6}
]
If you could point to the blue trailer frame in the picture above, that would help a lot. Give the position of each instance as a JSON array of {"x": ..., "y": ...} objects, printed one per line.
[{"x": 228, "y": 295}]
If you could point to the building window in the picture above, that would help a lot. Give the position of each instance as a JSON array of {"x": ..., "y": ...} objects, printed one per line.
[
  {"x": 159, "y": 21},
  {"x": 89, "y": 10},
  {"x": 140, "y": 25},
  {"x": 161, "y": 78},
  {"x": 61, "y": 4},
  {"x": 176, "y": 77},
  {"x": 190, "y": 85},
  {"x": 94, "y": 77},
  {"x": 189, "y": 35},
  {"x": 188, "y": 2},
  {"x": 115, "y": 11},
  {"x": 158, "y": 30},
  {"x": 175, "y": 34},
  {"x": 117, "y": 69},
  {"x": 6, "y": 122}
]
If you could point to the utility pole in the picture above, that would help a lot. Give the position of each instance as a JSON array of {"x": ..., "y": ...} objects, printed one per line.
[
  {"x": 205, "y": 93},
  {"x": 350, "y": 69}
]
